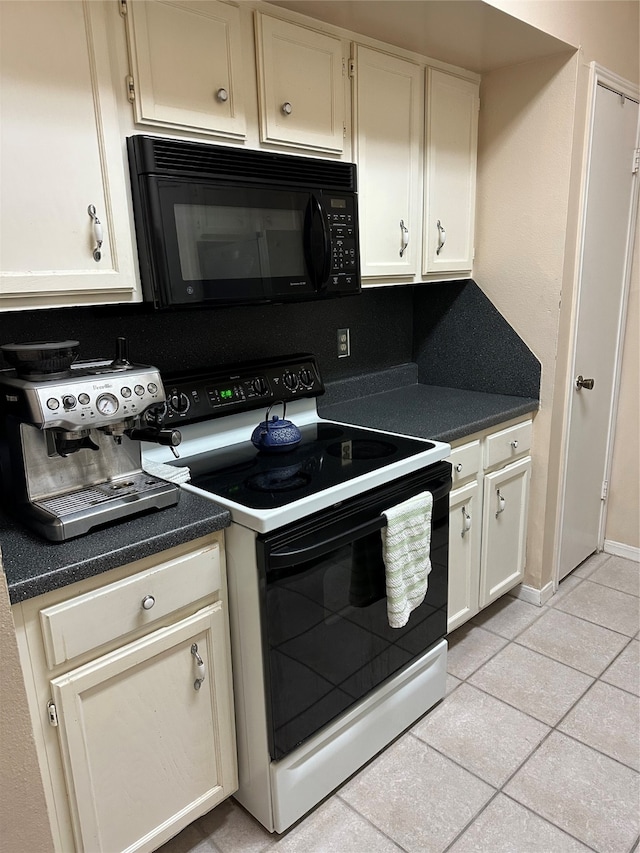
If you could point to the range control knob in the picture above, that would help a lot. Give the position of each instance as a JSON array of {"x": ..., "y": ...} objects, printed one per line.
[
  {"x": 290, "y": 381},
  {"x": 179, "y": 402},
  {"x": 259, "y": 386},
  {"x": 306, "y": 377}
]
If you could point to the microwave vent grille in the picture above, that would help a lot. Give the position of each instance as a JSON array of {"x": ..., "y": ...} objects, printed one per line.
[{"x": 188, "y": 159}]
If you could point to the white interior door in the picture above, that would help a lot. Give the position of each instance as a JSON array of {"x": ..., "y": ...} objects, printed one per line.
[{"x": 611, "y": 185}]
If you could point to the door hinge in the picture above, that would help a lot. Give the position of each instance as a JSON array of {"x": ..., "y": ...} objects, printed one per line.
[
  {"x": 636, "y": 161},
  {"x": 352, "y": 68},
  {"x": 605, "y": 490},
  {"x": 53, "y": 713},
  {"x": 123, "y": 8},
  {"x": 131, "y": 89}
]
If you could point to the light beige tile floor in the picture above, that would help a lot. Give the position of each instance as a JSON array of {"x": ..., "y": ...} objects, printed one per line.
[{"x": 535, "y": 748}]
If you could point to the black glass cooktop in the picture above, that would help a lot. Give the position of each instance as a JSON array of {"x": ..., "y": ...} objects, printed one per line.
[{"x": 327, "y": 455}]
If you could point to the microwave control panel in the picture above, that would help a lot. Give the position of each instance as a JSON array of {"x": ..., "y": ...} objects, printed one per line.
[
  {"x": 342, "y": 227},
  {"x": 202, "y": 396}
]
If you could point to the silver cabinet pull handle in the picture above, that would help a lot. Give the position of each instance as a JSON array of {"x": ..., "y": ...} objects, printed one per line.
[
  {"x": 97, "y": 233},
  {"x": 442, "y": 237},
  {"x": 287, "y": 109},
  {"x": 466, "y": 521},
  {"x": 514, "y": 444},
  {"x": 147, "y": 602},
  {"x": 404, "y": 235},
  {"x": 222, "y": 95},
  {"x": 197, "y": 684},
  {"x": 587, "y": 384},
  {"x": 501, "y": 503},
  {"x": 459, "y": 468}
]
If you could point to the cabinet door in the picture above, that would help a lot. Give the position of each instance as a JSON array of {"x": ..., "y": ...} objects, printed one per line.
[
  {"x": 450, "y": 185},
  {"x": 388, "y": 118},
  {"x": 144, "y": 751},
  {"x": 504, "y": 529},
  {"x": 464, "y": 554},
  {"x": 60, "y": 152},
  {"x": 301, "y": 86},
  {"x": 186, "y": 65}
]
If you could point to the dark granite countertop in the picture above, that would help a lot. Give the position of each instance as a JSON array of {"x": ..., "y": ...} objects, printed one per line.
[
  {"x": 34, "y": 566},
  {"x": 428, "y": 411}
]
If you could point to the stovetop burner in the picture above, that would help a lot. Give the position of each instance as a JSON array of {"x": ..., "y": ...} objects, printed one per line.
[{"x": 327, "y": 455}]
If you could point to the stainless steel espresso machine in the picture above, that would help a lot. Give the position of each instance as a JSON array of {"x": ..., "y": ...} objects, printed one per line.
[{"x": 70, "y": 433}]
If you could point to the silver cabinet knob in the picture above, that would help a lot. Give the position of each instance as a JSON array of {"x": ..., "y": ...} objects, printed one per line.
[
  {"x": 147, "y": 602},
  {"x": 222, "y": 95},
  {"x": 287, "y": 108},
  {"x": 514, "y": 444},
  {"x": 459, "y": 467},
  {"x": 587, "y": 384}
]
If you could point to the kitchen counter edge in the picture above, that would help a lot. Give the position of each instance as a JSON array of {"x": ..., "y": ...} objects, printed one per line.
[{"x": 34, "y": 566}]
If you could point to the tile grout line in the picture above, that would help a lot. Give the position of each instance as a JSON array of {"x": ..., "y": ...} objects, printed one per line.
[
  {"x": 575, "y": 668},
  {"x": 365, "y": 818}
]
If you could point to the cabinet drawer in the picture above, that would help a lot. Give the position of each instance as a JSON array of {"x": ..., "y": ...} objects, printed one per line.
[
  {"x": 465, "y": 461},
  {"x": 508, "y": 444},
  {"x": 90, "y": 620}
]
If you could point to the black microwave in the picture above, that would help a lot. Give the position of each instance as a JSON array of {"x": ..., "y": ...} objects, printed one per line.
[{"x": 218, "y": 225}]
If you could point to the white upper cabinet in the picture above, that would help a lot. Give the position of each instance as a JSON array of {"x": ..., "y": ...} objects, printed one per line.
[
  {"x": 301, "y": 86},
  {"x": 388, "y": 96},
  {"x": 450, "y": 180},
  {"x": 186, "y": 61},
  {"x": 60, "y": 152}
]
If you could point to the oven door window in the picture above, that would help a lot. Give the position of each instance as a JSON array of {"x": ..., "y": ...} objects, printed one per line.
[
  {"x": 328, "y": 641},
  {"x": 232, "y": 245}
]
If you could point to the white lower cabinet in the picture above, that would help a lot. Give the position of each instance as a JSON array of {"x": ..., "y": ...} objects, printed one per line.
[
  {"x": 136, "y": 736},
  {"x": 504, "y": 529},
  {"x": 487, "y": 518},
  {"x": 465, "y": 521}
]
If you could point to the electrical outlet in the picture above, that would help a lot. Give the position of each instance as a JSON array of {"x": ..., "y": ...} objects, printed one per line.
[{"x": 344, "y": 343}]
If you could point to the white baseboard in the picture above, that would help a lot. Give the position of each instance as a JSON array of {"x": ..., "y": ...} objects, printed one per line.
[
  {"x": 620, "y": 550},
  {"x": 532, "y": 595}
]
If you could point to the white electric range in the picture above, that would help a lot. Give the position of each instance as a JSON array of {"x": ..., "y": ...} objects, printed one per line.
[{"x": 321, "y": 682}]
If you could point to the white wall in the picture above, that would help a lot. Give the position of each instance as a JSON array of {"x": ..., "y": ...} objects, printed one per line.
[
  {"x": 606, "y": 30},
  {"x": 544, "y": 134},
  {"x": 524, "y": 165}
]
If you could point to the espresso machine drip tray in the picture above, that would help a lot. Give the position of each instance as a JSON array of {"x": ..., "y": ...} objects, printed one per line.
[{"x": 75, "y": 513}]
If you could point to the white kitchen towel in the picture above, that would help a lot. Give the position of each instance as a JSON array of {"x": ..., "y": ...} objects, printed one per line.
[
  {"x": 406, "y": 544},
  {"x": 167, "y": 472}
]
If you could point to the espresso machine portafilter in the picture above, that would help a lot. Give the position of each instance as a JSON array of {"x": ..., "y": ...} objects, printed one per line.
[{"x": 70, "y": 433}]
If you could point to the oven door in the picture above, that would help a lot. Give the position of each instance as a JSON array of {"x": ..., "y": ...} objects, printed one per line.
[{"x": 326, "y": 637}]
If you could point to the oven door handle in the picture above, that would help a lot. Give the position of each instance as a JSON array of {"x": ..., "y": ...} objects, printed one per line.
[
  {"x": 281, "y": 558},
  {"x": 285, "y": 557}
]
